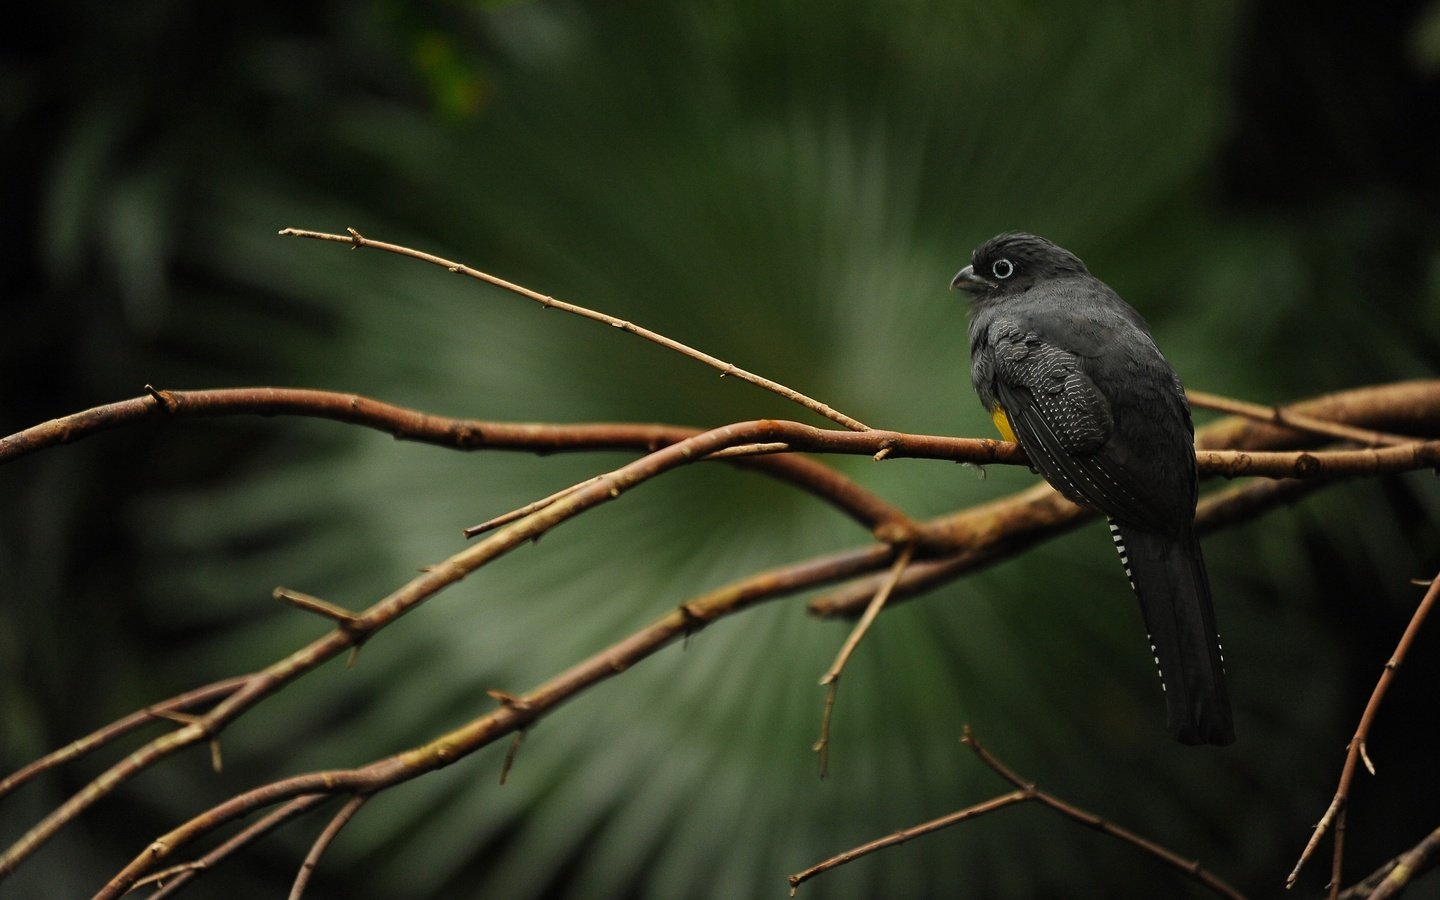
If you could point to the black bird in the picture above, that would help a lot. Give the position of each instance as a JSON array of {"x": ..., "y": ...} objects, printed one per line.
[{"x": 1069, "y": 370}]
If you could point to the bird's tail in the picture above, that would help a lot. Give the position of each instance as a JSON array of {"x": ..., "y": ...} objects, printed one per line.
[{"x": 1168, "y": 575}]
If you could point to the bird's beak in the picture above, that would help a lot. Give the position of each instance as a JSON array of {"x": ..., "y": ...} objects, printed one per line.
[{"x": 967, "y": 281}]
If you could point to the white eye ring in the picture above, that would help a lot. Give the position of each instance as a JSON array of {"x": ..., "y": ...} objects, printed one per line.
[{"x": 1002, "y": 269}]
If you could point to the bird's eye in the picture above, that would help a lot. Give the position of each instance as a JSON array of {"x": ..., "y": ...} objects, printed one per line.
[{"x": 1002, "y": 269}]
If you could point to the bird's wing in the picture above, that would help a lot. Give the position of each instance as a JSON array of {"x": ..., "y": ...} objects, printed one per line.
[{"x": 1064, "y": 423}]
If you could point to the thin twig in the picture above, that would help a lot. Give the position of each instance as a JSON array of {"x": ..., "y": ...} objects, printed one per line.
[
  {"x": 119, "y": 728},
  {"x": 831, "y": 679},
  {"x": 322, "y": 843},
  {"x": 184, "y": 718},
  {"x": 170, "y": 874},
  {"x": 832, "y": 674},
  {"x": 1190, "y": 868},
  {"x": 322, "y": 608},
  {"x": 1298, "y": 421},
  {"x": 511, "y": 752},
  {"x": 905, "y": 834},
  {"x": 1335, "y": 813},
  {"x": 1392, "y": 878},
  {"x": 522, "y": 512},
  {"x": 276, "y": 818},
  {"x": 355, "y": 239},
  {"x": 1024, "y": 791}
]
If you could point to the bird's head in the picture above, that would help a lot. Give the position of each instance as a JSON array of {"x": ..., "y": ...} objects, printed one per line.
[{"x": 1014, "y": 261}]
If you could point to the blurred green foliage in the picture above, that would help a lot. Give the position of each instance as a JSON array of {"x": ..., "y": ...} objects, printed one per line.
[{"x": 788, "y": 186}]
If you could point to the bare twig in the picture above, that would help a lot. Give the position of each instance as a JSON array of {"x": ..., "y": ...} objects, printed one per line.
[
  {"x": 323, "y": 842},
  {"x": 119, "y": 728},
  {"x": 1405, "y": 406},
  {"x": 831, "y": 679},
  {"x": 1392, "y": 878},
  {"x": 832, "y": 674},
  {"x": 322, "y": 608},
  {"x": 1299, "y": 421},
  {"x": 1025, "y": 791},
  {"x": 511, "y": 752},
  {"x": 355, "y": 239},
  {"x": 522, "y": 512},
  {"x": 906, "y": 834},
  {"x": 184, "y": 872},
  {"x": 1335, "y": 813},
  {"x": 471, "y": 434},
  {"x": 1190, "y": 868}
]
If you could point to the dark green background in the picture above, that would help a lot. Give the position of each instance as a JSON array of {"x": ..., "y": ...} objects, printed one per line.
[{"x": 788, "y": 186}]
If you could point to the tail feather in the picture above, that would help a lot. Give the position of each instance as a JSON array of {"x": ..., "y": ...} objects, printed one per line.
[{"x": 1168, "y": 575}]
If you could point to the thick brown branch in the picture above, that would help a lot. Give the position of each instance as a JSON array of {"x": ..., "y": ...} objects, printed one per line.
[
  {"x": 1326, "y": 464},
  {"x": 972, "y": 538},
  {"x": 471, "y": 434}
]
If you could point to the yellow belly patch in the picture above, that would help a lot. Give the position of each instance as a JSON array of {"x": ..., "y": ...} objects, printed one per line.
[{"x": 1002, "y": 424}]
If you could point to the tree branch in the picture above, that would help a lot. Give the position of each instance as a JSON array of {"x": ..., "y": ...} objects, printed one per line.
[
  {"x": 323, "y": 842},
  {"x": 1289, "y": 418},
  {"x": 905, "y": 834},
  {"x": 1355, "y": 750},
  {"x": 181, "y": 875},
  {"x": 981, "y": 534},
  {"x": 508, "y": 716},
  {"x": 471, "y": 434},
  {"x": 1392, "y": 878},
  {"x": 362, "y": 626},
  {"x": 356, "y": 240},
  {"x": 1025, "y": 791},
  {"x": 831, "y": 679},
  {"x": 185, "y": 702}
]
